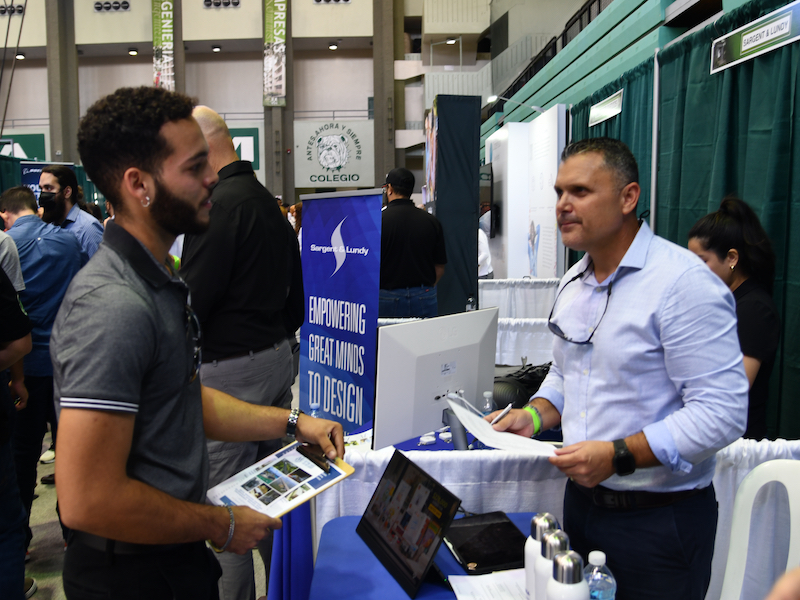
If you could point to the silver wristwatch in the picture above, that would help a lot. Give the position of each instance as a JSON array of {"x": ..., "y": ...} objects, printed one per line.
[{"x": 291, "y": 425}]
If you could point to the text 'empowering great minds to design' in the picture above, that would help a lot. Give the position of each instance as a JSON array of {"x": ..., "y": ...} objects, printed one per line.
[{"x": 340, "y": 398}]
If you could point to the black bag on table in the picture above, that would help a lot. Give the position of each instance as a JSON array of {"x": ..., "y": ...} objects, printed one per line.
[{"x": 518, "y": 387}]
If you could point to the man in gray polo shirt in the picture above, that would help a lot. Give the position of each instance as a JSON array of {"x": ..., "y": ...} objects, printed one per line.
[{"x": 132, "y": 468}]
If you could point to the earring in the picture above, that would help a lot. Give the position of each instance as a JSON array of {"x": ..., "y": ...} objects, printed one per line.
[
  {"x": 148, "y": 204},
  {"x": 733, "y": 267}
]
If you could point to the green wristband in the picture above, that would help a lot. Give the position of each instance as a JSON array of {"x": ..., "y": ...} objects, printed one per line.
[{"x": 537, "y": 418}]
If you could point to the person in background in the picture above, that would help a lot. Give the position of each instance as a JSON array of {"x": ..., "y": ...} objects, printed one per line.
[
  {"x": 60, "y": 200},
  {"x": 9, "y": 261},
  {"x": 247, "y": 289},
  {"x": 647, "y": 383},
  {"x": 734, "y": 245},
  {"x": 109, "y": 212},
  {"x": 413, "y": 255},
  {"x": 50, "y": 257},
  {"x": 15, "y": 343},
  {"x": 485, "y": 270}
]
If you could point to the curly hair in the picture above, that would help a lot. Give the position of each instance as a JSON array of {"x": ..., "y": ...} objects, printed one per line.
[
  {"x": 617, "y": 157},
  {"x": 123, "y": 130},
  {"x": 736, "y": 226}
]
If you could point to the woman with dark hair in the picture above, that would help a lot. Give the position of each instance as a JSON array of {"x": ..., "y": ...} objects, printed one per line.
[{"x": 734, "y": 245}]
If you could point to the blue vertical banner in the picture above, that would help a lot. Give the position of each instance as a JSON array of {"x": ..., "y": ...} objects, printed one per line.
[{"x": 341, "y": 251}]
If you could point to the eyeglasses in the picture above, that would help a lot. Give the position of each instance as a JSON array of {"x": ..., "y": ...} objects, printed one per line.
[
  {"x": 557, "y": 330},
  {"x": 194, "y": 335}
]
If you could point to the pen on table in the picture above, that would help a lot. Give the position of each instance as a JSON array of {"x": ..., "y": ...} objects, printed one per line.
[{"x": 506, "y": 410}]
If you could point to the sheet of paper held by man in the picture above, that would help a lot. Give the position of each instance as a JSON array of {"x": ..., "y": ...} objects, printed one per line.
[
  {"x": 472, "y": 420},
  {"x": 500, "y": 585}
]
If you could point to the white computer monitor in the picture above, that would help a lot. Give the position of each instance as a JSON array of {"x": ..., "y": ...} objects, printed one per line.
[{"x": 420, "y": 362}]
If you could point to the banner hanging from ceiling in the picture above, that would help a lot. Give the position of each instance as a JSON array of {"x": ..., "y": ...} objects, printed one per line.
[
  {"x": 163, "y": 44},
  {"x": 275, "y": 12}
]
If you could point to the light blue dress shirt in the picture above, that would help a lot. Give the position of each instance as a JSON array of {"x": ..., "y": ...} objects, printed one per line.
[
  {"x": 85, "y": 227},
  {"x": 664, "y": 359}
]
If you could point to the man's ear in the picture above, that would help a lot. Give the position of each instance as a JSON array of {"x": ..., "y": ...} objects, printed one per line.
[
  {"x": 136, "y": 185},
  {"x": 68, "y": 193},
  {"x": 629, "y": 197}
]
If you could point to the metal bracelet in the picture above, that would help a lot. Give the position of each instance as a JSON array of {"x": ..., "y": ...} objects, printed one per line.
[{"x": 227, "y": 543}]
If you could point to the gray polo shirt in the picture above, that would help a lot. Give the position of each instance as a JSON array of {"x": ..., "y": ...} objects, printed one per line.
[{"x": 121, "y": 343}]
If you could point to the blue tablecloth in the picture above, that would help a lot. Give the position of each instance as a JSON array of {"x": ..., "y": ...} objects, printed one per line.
[{"x": 346, "y": 568}]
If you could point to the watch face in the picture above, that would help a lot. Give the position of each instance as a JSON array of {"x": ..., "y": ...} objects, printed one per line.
[{"x": 624, "y": 462}]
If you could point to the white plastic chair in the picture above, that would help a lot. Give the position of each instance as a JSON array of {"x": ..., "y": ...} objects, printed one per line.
[{"x": 786, "y": 472}]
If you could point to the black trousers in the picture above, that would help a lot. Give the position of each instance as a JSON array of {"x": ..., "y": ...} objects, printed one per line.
[
  {"x": 655, "y": 553},
  {"x": 28, "y": 434},
  {"x": 188, "y": 572}
]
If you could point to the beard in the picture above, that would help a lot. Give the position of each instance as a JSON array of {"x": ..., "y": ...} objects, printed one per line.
[
  {"x": 175, "y": 214},
  {"x": 56, "y": 211}
]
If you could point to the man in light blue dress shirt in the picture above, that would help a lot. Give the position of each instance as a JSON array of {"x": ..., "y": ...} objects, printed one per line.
[
  {"x": 61, "y": 203},
  {"x": 647, "y": 383}
]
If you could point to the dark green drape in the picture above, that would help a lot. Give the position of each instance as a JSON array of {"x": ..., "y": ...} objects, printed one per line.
[
  {"x": 737, "y": 132},
  {"x": 10, "y": 172},
  {"x": 634, "y": 125}
]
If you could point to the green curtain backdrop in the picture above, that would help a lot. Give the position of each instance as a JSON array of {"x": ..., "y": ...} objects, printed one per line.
[
  {"x": 10, "y": 172},
  {"x": 736, "y": 132},
  {"x": 634, "y": 125}
]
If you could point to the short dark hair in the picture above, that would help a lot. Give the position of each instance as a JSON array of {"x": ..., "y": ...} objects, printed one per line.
[
  {"x": 123, "y": 130},
  {"x": 736, "y": 226},
  {"x": 616, "y": 156},
  {"x": 402, "y": 180},
  {"x": 16, "y": 199},
  {"x": 66, "y": 179}
]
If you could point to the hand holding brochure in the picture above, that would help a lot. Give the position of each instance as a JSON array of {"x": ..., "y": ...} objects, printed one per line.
[{"x": 280, "y": 482}]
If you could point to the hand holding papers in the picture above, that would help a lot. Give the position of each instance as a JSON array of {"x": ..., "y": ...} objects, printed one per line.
[
  {"x": 473, "y": 421},
  {"x": 282, "y": 481}
]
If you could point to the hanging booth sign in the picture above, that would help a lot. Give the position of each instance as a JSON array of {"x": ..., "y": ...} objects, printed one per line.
[
  {"x": 163, "y": 45},
  {"x": 275, "y": 12},
  {"x": 606, "y": 109},
  {"x": 334, "y": 154},
  {"x": 341, "y": 276},
  {"x": 763, "y": 35}
]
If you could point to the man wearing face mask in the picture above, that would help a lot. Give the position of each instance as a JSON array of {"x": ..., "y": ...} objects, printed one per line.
[{"x": 59, "y": 199}]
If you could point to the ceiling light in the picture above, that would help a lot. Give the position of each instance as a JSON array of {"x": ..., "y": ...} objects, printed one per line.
[
  {"x": 20, "y": 56},
  {"x": 133, "y": 51},
  {"x": 491, "y": 99},
  {"x": 216, "y": 48},
  {"x": 333, "y": 46},
  {"x": 451, "y": 41}
]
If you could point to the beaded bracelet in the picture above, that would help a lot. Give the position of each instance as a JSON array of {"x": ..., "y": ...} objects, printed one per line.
[
  {"x": 230, "y": 534},
  {"x": 537, "y": 418}
]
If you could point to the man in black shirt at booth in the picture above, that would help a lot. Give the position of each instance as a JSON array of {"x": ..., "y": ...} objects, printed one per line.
[
  {"x": 412, "y": 252},
  {"x": 247, "y": 289}
]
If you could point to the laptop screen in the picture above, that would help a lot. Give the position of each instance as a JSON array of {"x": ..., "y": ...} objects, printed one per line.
[{"x": 406, "y": 520}]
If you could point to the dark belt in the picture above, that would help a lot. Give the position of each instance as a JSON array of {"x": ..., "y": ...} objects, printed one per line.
[
  {"x": 630, "y": 500},
  {"x": 95, "y": 542},
  {"x": 244, "y": 353}
]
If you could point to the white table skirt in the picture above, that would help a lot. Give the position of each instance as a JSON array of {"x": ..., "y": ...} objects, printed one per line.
[{"x": 489, "y": 480}]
